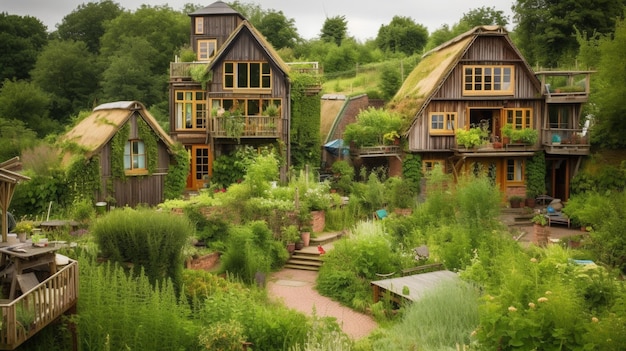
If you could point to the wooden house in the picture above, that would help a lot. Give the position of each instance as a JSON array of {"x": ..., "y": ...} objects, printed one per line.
[
  {"x": 236, "y": 92},
  {"x": 132, "y": 151},
  {"x": 480, "y": 80}
]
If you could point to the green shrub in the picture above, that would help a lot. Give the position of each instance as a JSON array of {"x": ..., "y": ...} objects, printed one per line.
[
  {"x": 343, "y": 177},
  {"x": 151, "y": 240}
]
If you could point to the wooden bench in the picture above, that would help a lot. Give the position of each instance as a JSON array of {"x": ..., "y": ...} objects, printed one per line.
[
  {"x": 422, "y": 269},
  {"x": 558, "y": 218}
]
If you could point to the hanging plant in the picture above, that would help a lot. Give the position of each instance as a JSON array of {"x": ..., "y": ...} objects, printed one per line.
[{"x": 201, "y": 75}]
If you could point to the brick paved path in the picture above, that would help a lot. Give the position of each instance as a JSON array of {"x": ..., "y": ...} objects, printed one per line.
[{"x": 296, "y": 289}]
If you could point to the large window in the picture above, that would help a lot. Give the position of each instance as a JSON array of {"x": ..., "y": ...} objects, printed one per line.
[
  {"x": 135, "y": 157},
  {"x": 488, "y": 80},
  {"x": 515, "y": 170},
  {"x": 199, "y": 25},
  {"x": 247, "y": 107},
  {"x": 519, "y": 118},
  {"x": 206, "y": 49},
  {"x": 247, "y": 75},
  {"x": 190, "y": 109},
  {"x": 442, "y": 123}
]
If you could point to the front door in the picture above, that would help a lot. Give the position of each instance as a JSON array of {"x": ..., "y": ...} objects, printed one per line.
[{"x": 200, "y": 166}]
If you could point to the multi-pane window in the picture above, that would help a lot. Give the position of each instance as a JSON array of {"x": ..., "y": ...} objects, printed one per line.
[
  {"x": 206, "y": 49},
  {"x": 247, "y": 75},
  {"x": 190, "y": 109},
  {"x": 442, "y": 123},
  {"x": 519, "y": 118},
  {"x": 134, "y": 156},
  {"x": 515, "y": 170},
  {"x": 199, "y": 25},
  {"x": 488, "y": 80}
]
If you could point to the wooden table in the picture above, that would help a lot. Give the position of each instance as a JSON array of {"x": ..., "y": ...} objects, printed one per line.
[
  {"x": 18, "y": 262},
  {"x": 57, "y": 224}
]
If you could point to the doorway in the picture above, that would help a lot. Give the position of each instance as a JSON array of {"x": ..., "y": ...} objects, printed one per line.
[
  {"x": 557, "y": 178},
  {"x": 200, "y": 166},
  {"x": 487, "y": 118}
]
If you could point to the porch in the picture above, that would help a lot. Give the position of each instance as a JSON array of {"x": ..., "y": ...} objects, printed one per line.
[{"x": 38, "y": 306}]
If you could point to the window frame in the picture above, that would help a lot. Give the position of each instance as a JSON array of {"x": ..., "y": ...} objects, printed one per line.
[
  {"x": 199, "y": 25},
  {"x": 519, "y": 168},
  {"x": 526, "y": 117},
  {"x": 240, "y": 75},
  {"x": 483, "y": 80},
  {"x": 429, "y": 164},
  {"x": 446, "y": 117},
  {"x": 131, "y": 156},
  {"x": 211, "y": 43},
  {"x": 198, "y": 111}
]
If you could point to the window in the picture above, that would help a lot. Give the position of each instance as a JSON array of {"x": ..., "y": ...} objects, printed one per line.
[
  {"x": 559, "y": 116},
  {"x": 429, "y": 165},
  {"x": 135, "y": 157},
  {"x": 206, "y": 49},
  {"x": 199, "y": 25},
  {"x": 515, "y": 170},
  {"x": 442, "y": 123},
  {"x": 488, "y": 80},
  {"x": 190, "y": 110},
  {"x": 247, "y": 75},
  {"x": 519, "y": 118},
  {"x": 248, "y": 107}
]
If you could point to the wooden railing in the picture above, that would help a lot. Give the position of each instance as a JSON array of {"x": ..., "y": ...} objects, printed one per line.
[
  {"x": 566, "y": 141},
  {"x": 379, "y": 150},
  {"x": 182, "y": 69},
  {"x": 26, "y": 315},
  {"x": 245, "y": 127}
]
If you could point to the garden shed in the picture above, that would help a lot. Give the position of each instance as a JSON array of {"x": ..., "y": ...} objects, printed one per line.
[{"x": 120, "y": 153}]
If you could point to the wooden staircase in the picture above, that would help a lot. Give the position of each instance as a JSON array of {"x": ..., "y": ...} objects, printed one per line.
[{"x": 309, "y": 258}]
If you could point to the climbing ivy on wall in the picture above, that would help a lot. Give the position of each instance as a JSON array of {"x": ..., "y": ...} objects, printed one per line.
[
  {"x": 305, "y": 122},
  {"x": 412, "y": 171},
  {"x": 117, "y": 152},
  {"x": 83, "y": 177},
  {"x": 150, "y": 141},
  {"x": 176, "y": 178}
]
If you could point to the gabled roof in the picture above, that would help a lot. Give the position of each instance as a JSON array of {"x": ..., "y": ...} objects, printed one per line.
[
  {"x": 95, "y": 131},
  {"x": 216, "y": 8},
  {"x": 263, "y": 43},
  {"x": 436, "y": 66}
]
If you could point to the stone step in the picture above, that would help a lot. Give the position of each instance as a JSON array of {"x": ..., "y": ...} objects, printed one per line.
[
  {"x": 325, "y": 238},
  {"x": 302, "y": 267},
  {"x": 308, "y": 258}
]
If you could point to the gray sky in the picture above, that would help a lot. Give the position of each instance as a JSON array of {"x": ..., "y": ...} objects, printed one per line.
[{"x": 364, "y": 17}]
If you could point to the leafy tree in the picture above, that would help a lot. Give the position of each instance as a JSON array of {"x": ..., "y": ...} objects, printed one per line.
[
  {"x": 86, "y": 22},
  {"x": 610, "y": 125},
  {"x": 164, "y": 29},
  {"x": 14, "y": 137},
  {"x": 67, "y": 71},
  {"x": 402, "y": 34},
  {"x": 545, "y": 28},
  {"x": 390, "y": 81},
  {"x": 280, "y": 31},
  {"x": 129, "y": 74},
  {"x": 21, "y": 39},
  {"x": 25, "y": 101},
  {"x": 335, "y": 29}
]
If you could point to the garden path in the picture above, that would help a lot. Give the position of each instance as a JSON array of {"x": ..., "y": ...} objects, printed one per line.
[{"x": 296, "y": 288}]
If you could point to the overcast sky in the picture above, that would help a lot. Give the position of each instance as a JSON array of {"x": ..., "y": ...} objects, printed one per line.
[{"x": 364, "y": 17}]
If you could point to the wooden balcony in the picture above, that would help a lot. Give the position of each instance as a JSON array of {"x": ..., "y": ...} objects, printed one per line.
[
  {"x": 565, "y": 86},
  {"x": 245, "y": 127},
  {"x": 497, "y": 150},
  {"x": 180, "y": 70},
  {"x": 376, "y": 151},
  {"x": 29, "y": 313},
  {"x": 561, "y": 141}
]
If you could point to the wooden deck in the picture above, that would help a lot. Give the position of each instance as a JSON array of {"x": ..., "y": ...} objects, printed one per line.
[
  {"x": 417, "y": 284},
  {"x": 32, "y": 311}
]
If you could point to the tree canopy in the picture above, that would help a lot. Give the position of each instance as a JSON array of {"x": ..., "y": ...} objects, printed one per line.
[
  {"x": 402, "y": 34},
  {"x": 280, "y": 31},
  {"x": 335, "y": 29},
  {"x": 21, "y": 39},
  {"x": 86, "y": 22}
]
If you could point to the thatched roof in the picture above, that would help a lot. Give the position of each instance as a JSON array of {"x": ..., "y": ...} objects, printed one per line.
[
  {"x": 263, "y": 43},
  {"x": 435, "y": 67},
  {"x": 95, "y": 131}
]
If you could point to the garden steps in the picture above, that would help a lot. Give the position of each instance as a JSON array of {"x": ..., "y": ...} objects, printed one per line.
[{"x": 309, "y": 258}]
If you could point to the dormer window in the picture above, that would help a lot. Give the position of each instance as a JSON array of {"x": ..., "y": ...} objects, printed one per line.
[{"x": 199, "y": 25}]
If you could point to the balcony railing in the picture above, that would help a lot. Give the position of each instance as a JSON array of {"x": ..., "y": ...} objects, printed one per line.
[
  {"x": 245, "y": 127},
  {"x": 565, "y": 86},
  {"x": 182, "y": 69},
  {"x": 566, "y": 141},
  {"x": 375, "y": 151},
  {"x": 26, "y": 315}
]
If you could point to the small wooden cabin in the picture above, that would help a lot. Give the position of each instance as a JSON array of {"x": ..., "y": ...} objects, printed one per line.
[{"x": 133, "y": 152}]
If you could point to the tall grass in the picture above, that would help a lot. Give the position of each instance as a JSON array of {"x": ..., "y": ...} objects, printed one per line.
[{"x": 440, "y": 320}]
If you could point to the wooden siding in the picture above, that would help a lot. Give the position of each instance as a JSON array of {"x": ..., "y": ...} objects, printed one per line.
[
  {"x": 215, "y": 27},
  {"x": 134, "y": 190}
]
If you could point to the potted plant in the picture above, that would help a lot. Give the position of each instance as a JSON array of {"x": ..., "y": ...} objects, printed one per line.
[
  {"x": 471, "y": 138},
  {"x": 540, "y": 229},
  {"x": 291, "y": 235},
  {"x": 23, "y": 229},
  {"x": 515, "y": 201},
  {"x": 528, "y": 136},
  {"x": 507, "y": 133}
]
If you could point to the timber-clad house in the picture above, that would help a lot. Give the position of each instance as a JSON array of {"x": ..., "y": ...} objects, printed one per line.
[
  {"x": 239, "y": 93},
  {"x": 480, "y": 79}
]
